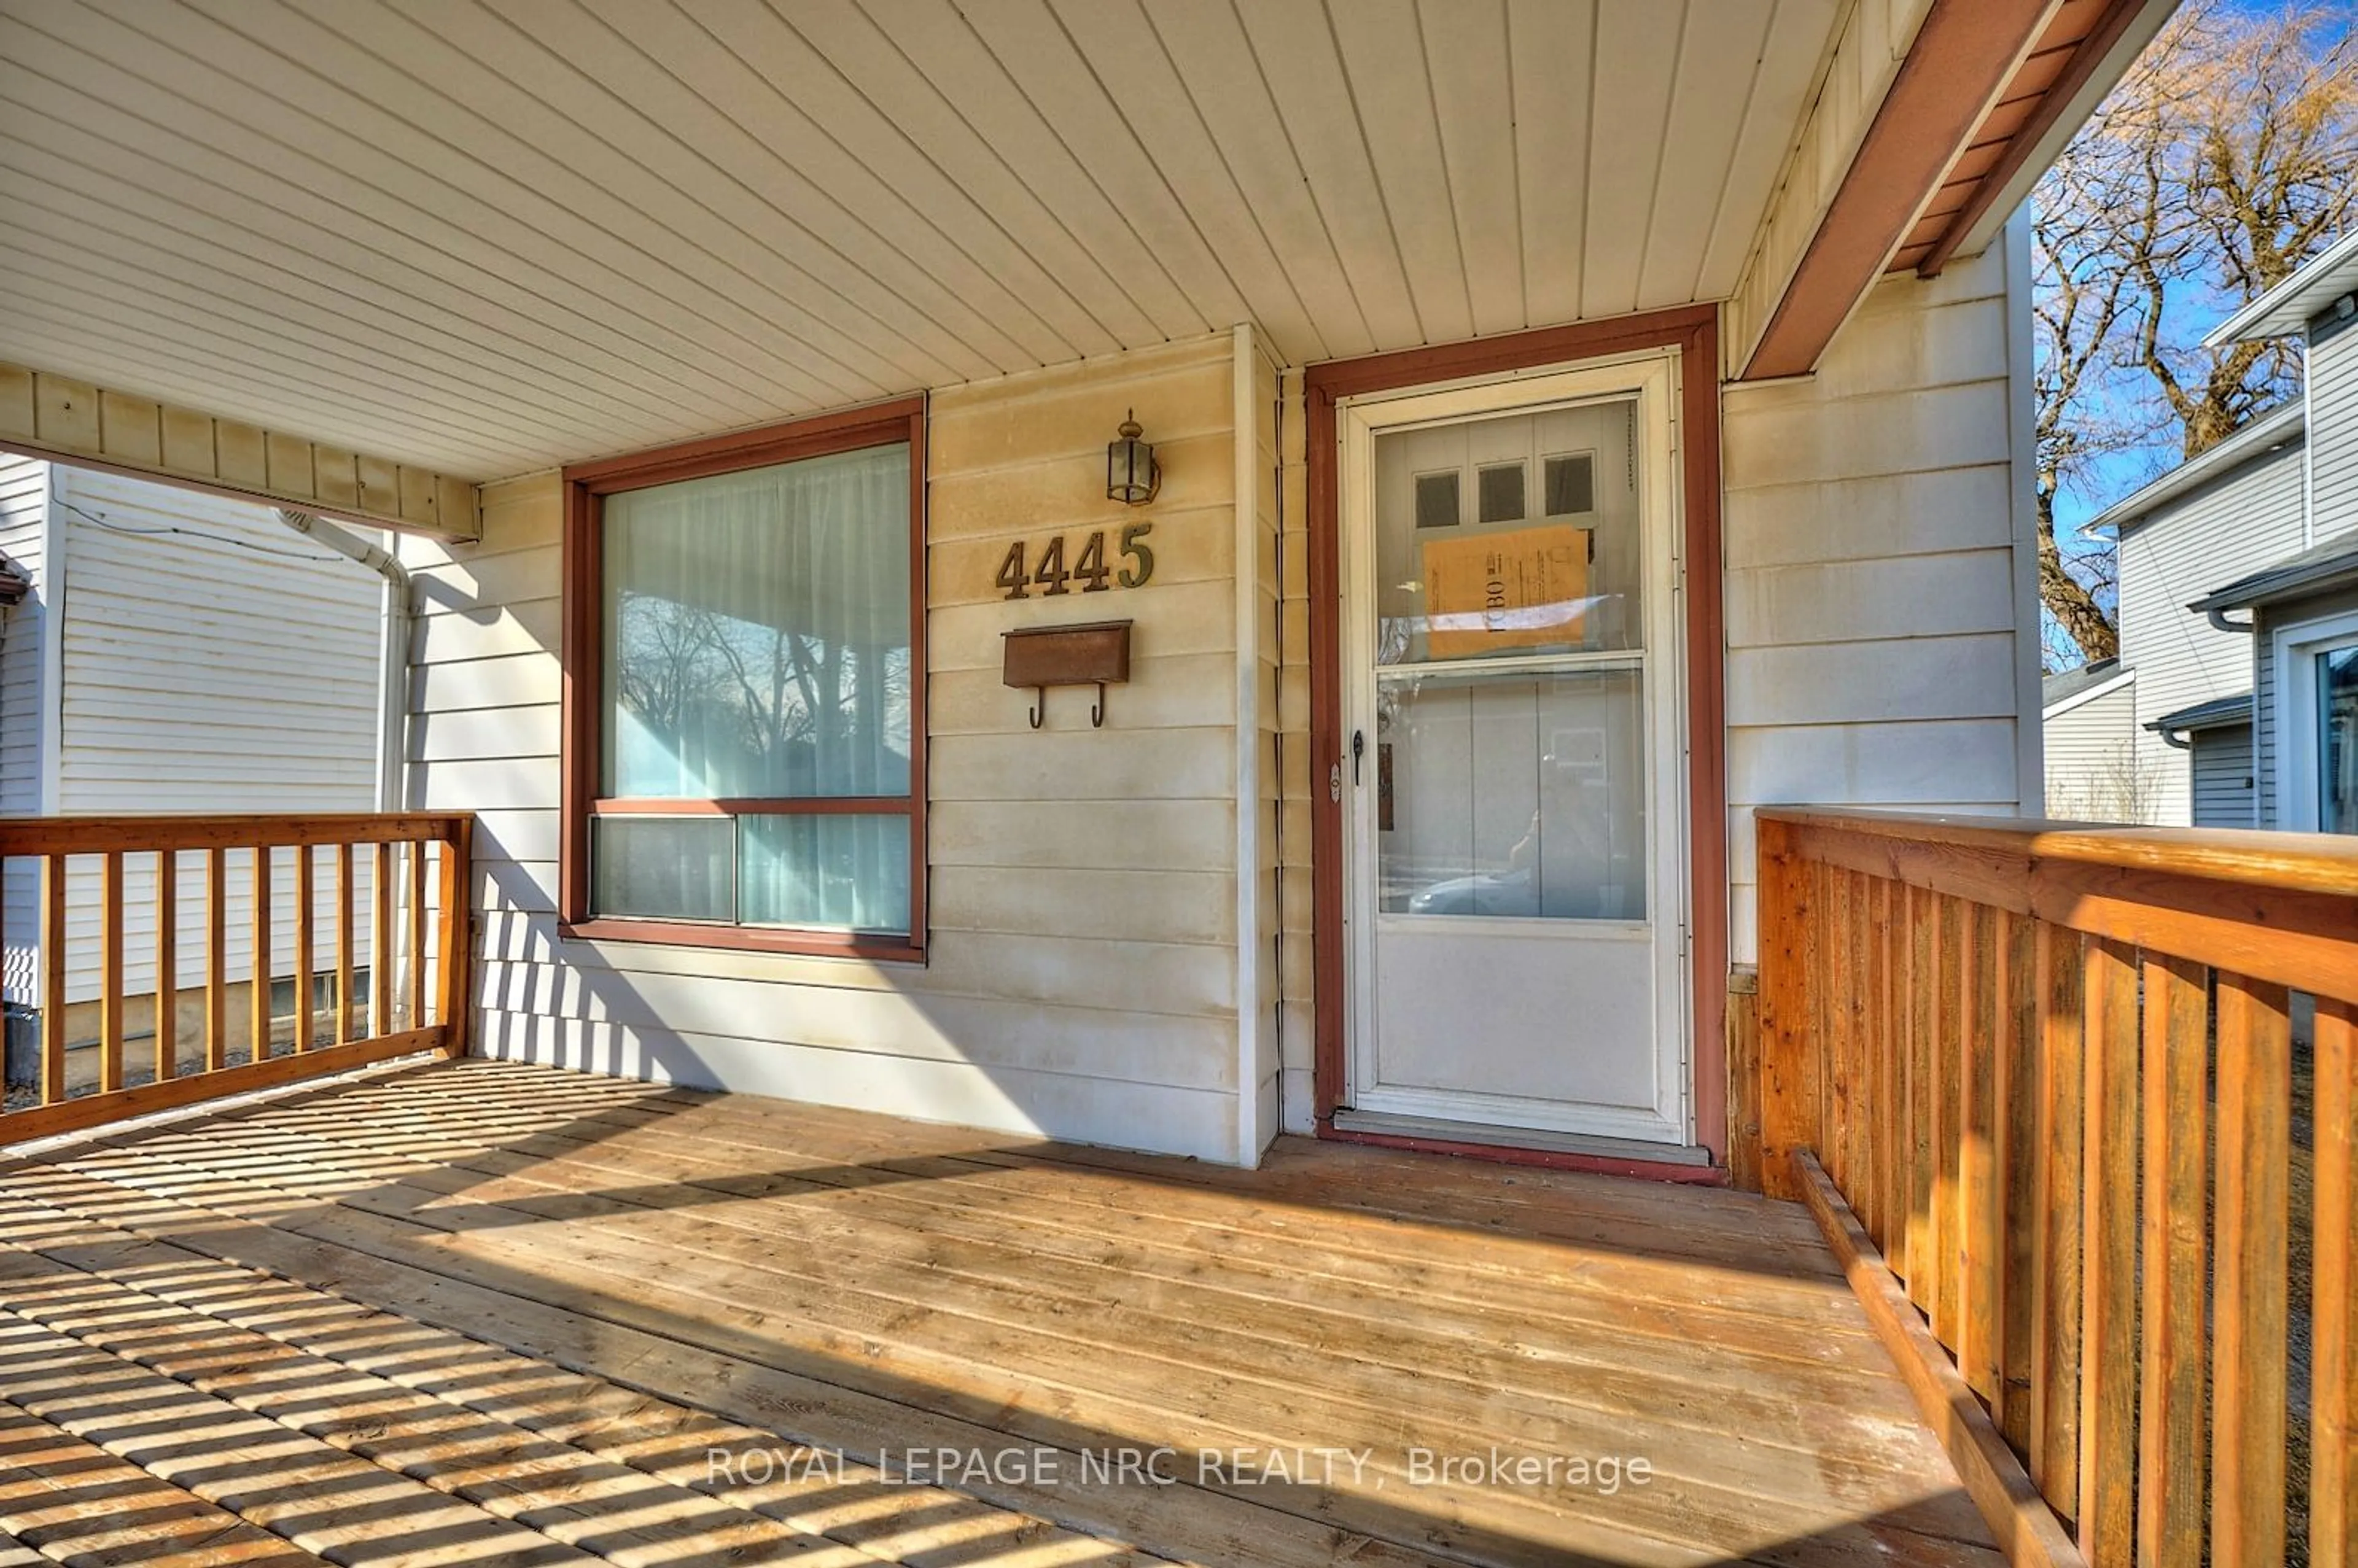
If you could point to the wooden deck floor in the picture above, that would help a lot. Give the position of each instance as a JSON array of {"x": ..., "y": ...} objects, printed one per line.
[{"x": 476, "y": 1312}]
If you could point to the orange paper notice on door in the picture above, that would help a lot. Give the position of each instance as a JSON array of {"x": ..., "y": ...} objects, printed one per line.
[{"x": 1524, "y": 588}]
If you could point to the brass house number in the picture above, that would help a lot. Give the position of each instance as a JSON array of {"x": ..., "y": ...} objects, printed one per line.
[{"x": 1090, "y": 569}]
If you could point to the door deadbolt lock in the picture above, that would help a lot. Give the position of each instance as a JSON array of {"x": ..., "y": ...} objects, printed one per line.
[{"x": 1334, "y": 782}]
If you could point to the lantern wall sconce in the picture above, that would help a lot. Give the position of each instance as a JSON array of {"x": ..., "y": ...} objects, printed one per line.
[{"x": 1132, "y": 474}]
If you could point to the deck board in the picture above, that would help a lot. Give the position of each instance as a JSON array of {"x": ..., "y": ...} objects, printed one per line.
[{"x": 748, "y": 1268}]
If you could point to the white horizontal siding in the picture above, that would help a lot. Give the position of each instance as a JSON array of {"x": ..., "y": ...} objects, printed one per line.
[
  {"x": 2330, "y": 386},
  {"x": 2219, "y": 761},
  {"x": 2092, "y": 761},
  {"x": 2265, "y": 719},
  {"x": 24, "y": 511},
  {"x": 1875, "y": 595},
  {"x": 2236, "y": 525},
  {"x": 214, "y": 662}
]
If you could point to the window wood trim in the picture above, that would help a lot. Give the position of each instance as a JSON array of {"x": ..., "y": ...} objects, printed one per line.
[{"x": 581, "y": 650}]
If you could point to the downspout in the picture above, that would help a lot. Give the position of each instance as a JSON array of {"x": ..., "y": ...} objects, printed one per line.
[{"x": 393, "y": 714}]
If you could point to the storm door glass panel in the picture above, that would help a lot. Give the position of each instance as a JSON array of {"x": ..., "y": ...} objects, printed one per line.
[
  {"x": 1543, "y": 556},
  {"x": 2337, "y": 747},
  {"x": 757, "y": 633},
  {"x": 1521, "y": 795}
]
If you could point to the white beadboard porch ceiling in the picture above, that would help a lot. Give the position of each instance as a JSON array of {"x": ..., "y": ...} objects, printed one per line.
[{"x": 494, "y": 235}]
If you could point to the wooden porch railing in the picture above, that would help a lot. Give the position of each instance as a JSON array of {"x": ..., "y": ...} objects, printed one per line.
[
  {"x": 2051, "y": 1072},
  {"x": 394, "y": 885}
]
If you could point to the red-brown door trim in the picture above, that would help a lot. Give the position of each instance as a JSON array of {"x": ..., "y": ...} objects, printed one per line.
[{"x": 1693, "y": 330}]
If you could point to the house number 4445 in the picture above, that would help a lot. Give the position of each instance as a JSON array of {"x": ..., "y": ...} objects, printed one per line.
[{"x": 1018, "y": 576}]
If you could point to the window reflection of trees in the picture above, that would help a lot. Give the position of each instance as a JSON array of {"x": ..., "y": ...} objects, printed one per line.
[{"x": 710, "y": 683}]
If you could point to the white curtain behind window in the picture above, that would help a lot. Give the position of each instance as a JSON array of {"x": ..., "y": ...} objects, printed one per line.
[{"x": 757, "y": 633}]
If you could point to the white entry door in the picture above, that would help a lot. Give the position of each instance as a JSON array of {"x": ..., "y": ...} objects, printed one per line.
[{"x": 1513, "y": 778}]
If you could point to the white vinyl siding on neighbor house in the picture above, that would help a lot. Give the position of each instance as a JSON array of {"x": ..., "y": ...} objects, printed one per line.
[
  {"x": 2220, "y": 763},
  {"x": 2183, "y": 549},
  {"x": 1083, "y": 975},
  {"x": 2332, "y": 389},
  {"x": 24, "y": 520},
  {"x": 1877, "y": 574},
  {"x": 2092, "y": 756},
  {"x": 205, "y": 675}
]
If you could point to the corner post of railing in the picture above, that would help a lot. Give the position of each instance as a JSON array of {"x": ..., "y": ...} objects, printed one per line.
[
  {"x": 1786, "y": 1094},
  {"x": 456, "y": 935}
]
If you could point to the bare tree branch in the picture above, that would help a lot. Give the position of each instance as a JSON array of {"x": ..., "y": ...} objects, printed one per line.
[{"x": 2226, "y": 157}]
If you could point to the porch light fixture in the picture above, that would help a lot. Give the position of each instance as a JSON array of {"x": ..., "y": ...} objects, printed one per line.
[{"x": 1132, "y": 474}]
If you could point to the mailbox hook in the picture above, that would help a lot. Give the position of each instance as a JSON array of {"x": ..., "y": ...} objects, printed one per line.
[
  {"x": 1039, "y": 704},
  {"x": 1097, "y": 714}
]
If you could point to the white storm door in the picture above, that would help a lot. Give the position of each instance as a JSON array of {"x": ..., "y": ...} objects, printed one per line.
[{"x": 1513, "y": 776}]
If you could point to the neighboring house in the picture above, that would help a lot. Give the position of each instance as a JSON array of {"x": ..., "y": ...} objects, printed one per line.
[
  {"x": 2300, "y": 606},
  {"x": 2216, "y": 737},
  {"x": 2304, "y": 618},
  {"x": 2089, "y": 717},
  {"x": 2227, "y": 512},
  {"x": 173, "y": 652}
]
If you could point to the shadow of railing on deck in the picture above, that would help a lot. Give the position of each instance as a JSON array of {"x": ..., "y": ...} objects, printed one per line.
[{"x": 837, "y": 1402}]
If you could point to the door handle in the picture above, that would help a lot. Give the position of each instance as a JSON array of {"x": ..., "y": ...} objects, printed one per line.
[{"x": 1358, "y": 749}]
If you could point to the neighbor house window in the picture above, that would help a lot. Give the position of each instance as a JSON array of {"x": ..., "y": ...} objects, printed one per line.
[
  {"x": 745, "y": 690},
  {"x": 2336, "y": 689}
]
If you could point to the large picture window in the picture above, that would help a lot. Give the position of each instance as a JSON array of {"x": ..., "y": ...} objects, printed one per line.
[{"x": 745, "y": 690}]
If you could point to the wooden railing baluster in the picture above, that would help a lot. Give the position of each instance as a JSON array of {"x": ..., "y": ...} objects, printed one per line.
[
  {"x": 2175, "y": 1076},
  {"x": 1890, "y": 1207},
  {"x": 2108, "y": 1256},
  {"x": 110, "y": 972},
  {"x": 306, "y": 899},
  {"x": 216, "y": 959},
  {"x": 2247, "y": 1367},
  {"x": 53, "y": 979},
  {"x": 1842, "y": 1021},
  {"x": 343, "y": 944},
  {"x": 383, "y": 944},
  {"x": 2061, "y": 957},
  {"x": 91, "y": 1085},
  {"x": 167, "y": 964},
  {"x": 1865, "y": 1043},
  {"x": 416, "y": 935},
  {"x": 2017, "y": 1168},
  {"x": 258, "y": 1008},
  {"x": 1923, "y": 1098},
  {"x": 2334, "y": 1319},
  {"x": 1858, "y": 1157},
  {"x": 1948, "y": 1123},
  {"x": 1980, "y": 1311}
]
